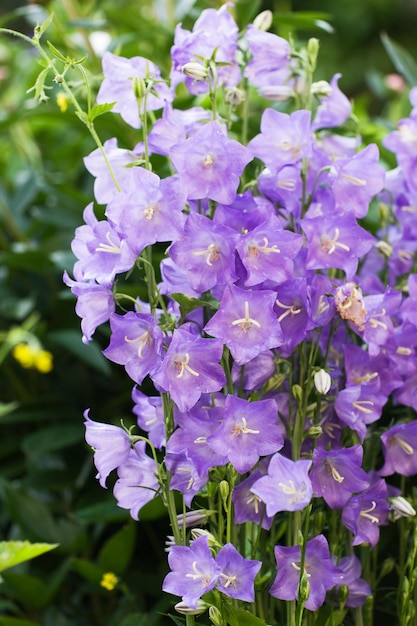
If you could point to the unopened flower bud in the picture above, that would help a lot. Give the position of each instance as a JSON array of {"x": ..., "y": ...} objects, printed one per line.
[
  {"x": 139, "y": 87},
  {"x": 297, "y": 392},
  {"x": 400, "y": 507},
  {"x": 314, "y": 432},
  {"x": 195, "y": 70},
  {"x": 343, "y": 594},
  {"x": 313, "y": 51},
  {"x": 322, "y": 382},
  {"x": 184, "y": 609},
  {"x": 200, "y": 532},
  {"x": 263, "y": 20},
  {"x": 303, "y": 588},
  {"x": 215, "y": 616},
  {"x": 193, "y": 517},
  {"x": 224, "y": 490},
  {"x": 235, "y": 96},
  {"x": 321, "y": 89}
]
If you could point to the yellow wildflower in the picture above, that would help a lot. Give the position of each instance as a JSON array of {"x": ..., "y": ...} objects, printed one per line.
[
  {"x": 109, "y": 581},
  {"x": 23, "y": 354},
  {"x": 43, "y": 361},
  {"x": 62, "y": 101}
]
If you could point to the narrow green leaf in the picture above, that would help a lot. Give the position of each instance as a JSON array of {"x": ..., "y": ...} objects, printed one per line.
[
  {"x": 402, "y": 60},
  {"x": 56, "y": 52},
  {"x": 40, "y": 29},
  {"x": 52, "y": 438},
  {"x": 89, "y": 354},
  {"x": 14, "y": 552}
]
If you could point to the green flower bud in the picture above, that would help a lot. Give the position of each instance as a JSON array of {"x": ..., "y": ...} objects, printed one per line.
[
  {"x": 313, "y": 51},
  {"x": 139, "y": 87},
  {"x": 215, "y": 616},
  {"x": 263, "y": 20}
]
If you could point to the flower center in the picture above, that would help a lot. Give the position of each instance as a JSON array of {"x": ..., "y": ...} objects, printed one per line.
[
  {"x": 291, "y": 309},
  {"x": 150, "y": 211},
  {"x": 181, "y": 364},
  {"x": 212, "y": 253},
  {"x": 241, "y": 428},
  {"x": 329, "y": 244},
  {"x": 208, "y": 161},
  {"x": 291, "y": 490},
  {"x": 143, "y": 341},
  {"x": 395, "y": 440},
  {"x": 245, "y": 323},
  {"x": 205, "y": 579},
  {"x": 110, "y": 247},
  {"x": 255, "y": 249},
  {"x": 367, "y": 514}
]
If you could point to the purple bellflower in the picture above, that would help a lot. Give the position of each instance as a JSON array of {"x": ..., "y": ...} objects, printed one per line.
[
  {"x": 248, "y": 430},
  {"x": 194, "y": 571},
  {"x": 149, "y": 210},
  {"x": 359, "y": 589},
  {"x": 210, "y": 164},
  {"x": 118, "y": 86},
  {"x": 237, "y": 574},
  {"x": 334, "y": 109},
  {"x": 95, "y": 304},
  {"x": 136, "y": 343},
  {"x": 137, "y": 483},
  {"x": 206, "y": 252},
  {"x": 267, "y": 252},
  {"x": 246, "y": 323},
  {"x": 121, "y": 161},
  {"x": 321, "y": 572},
  {"x": 190, "y": 368},
  {"x": 286, "y": 487},
  {"x": 150, "y": 416},
  {"x": 399, "y": 446},
  {"x": 111, "y": 446},
  {"x": 365, "y": 512},
  {"x": 337, "y": 474},
  {"x": 284, "y": 139}
]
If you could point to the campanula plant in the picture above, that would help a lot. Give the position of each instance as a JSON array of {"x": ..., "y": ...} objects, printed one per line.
[{"x": 277, "y": 332}]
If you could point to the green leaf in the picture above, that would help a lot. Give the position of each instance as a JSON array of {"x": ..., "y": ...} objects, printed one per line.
[
  {"x": 28, "y": 590},
  {"x": 304, "y": 20},
  {"x": 52, "y": 438},
  {"x": 239, "y": 617},
  {"x": 403, "y": 62},
  {"x": 89, "y": 354},
  {"x": 88, "y": 570},
  {"x": 56, "y": 52},
  {"x": 39, "y": 30},
  {"x": 188, "y": 304},
  {"x": 101, "y": 512},
  {"x": 99, "y": 109},
  {"x": 6, "y": 408},
  {"x": 116, "y": 553},
  {"x": 14, "y": 552}
]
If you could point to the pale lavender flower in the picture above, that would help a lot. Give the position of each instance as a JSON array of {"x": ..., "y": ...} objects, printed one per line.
[
  {"x": 118, "y": 86},
  {"x": 365, "y": 512},
  {"x": 237, "y": 574},
  {"x": 137, "y": 483},
  {"x": 111, "y": 445},
  {"x": 286, "y": 487},
  {"x": 190, "y": 368},
  {"x": 334, "y": 109},
  {"x": 246, "y": 323},
  {"x": 121, "y": 162},
  {"x": 194, "y": 571},
  {"x": 248, "y": 430},
  {"x": 210, "y": 164},
  {"x": 321, "y": 572},
  {"x": 399, "y": 446}
]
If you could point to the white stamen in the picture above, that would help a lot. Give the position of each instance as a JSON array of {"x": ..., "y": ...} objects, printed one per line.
[{"x": 246, "y": 322}]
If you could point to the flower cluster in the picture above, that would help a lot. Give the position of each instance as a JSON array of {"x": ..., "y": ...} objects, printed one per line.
[{"x": 282, "y": 334}]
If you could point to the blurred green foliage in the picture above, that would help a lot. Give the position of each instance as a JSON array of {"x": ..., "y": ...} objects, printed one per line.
[{"x": 48, "y": 492}]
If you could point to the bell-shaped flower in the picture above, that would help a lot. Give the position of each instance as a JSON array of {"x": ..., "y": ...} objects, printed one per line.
[
  {"x": 286, "y": 487},
  {"x": 136, "y": 343},
  {"x": 319, "y": 569},
  {"x": 337, "y": 474},
  {"x": 334, "y": 109},
  {"x": 110, "y": 443},
  {"x": 365, "y": 512},
  {"x": 121, "y": 162},
  {"x": 284, "y": 139},
  {"x": 206, "y": 253},
  {"x": 190, "y": 368},
  {"x": 118, "y": 86},
  {"x": 399, "y": 447},
  {"x": 248, "y": 431},
  {"x": 335, "y": 241},
  {"x": 150, "y": 416},
  {"x": 246, "y": 323},
  {"x": 137, "y": 483},
  {"x": 210, "y": 164},
  {"x": 237, "y": 574},
  {"x": 194, "y": 571}
]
